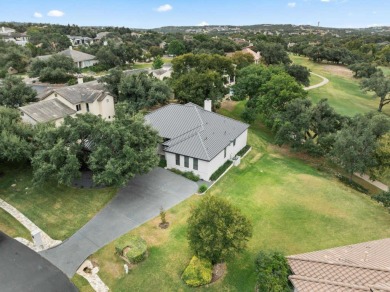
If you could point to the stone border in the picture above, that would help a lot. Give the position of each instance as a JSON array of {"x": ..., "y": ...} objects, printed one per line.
[
  {"x": 47, "y": 241},
  {"x": 249, "y": 150},
  {"x": 93, "y": 278}
]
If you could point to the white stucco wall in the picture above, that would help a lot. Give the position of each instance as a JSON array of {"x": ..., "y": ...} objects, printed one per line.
[
  {"x": 207, "y": 168},
  {"x": 87, "y": 63},
  {"x": 104, "y": 108}
]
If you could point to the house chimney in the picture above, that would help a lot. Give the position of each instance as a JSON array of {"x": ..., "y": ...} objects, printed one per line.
[
  {"x": 70, "y": 48},
  {"x": 207, "y": 104},
  {"x": 80, "y": 79}
]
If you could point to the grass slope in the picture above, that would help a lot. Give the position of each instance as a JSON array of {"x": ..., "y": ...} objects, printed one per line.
[
  {"x": 294, "y": 208},
  {"x": 10, "y": 226},
  {"x": 58, "y": 210},
  {"x": 343, "y": 91}
]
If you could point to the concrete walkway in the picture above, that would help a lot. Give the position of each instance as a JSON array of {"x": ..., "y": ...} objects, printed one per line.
[
  {"x": 134, "y": 205},
  {"x": 376, "y": 183},
  {"x": 322, "y": 83},
  {"x": 47, "y": 241}
]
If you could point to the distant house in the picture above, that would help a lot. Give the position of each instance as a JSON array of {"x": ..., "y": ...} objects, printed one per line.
[
  {"x": 256, "y": 56},
  {"x": 6, "y": 30},
  {"x": 80, "y": 40},
  {"x": 57, "y": 103},
  {"x": 358, "y": 267},
  {"x": 17, "y": 38},
  {"x": 81, "y": 60},
  {"x": 162, "y": 45},
  {"x": 101, "y": 35},
  {"x": 197, "y": 139}
]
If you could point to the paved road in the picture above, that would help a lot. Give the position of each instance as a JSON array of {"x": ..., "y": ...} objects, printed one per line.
[
  {"x": 322, "y": 83},
  {"x": 134, "y": 205}
]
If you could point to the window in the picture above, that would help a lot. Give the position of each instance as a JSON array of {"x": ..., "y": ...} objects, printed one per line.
[
  {"x": 78, "y": 107},
  {"x": 87, "y": 105},
  {"x": 234, "y": 142},
  {"x": 186, "y": 161},
  {"x": 177, "y": 159},
  {"x": 224, "y": 153},
  {"x": 195, "y": 166}
]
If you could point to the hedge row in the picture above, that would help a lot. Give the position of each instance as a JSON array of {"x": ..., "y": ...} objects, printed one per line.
[
  {"x": 187, "y": 174},
  {"x": 221, "y": 170},
  {"x": 243, "y": 150}
]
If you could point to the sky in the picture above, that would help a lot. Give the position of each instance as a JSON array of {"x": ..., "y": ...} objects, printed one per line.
[{"x": 154, "y": 13}]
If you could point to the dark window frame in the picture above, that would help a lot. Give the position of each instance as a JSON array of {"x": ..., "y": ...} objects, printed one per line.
[
  {"x": 186, "y": 161},
  {"x": 178, "y": 159},
  {"x": 195, "y": 163}
]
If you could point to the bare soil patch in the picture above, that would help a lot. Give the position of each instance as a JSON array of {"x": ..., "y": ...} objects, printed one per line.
[
  {"x": 218, "y": 272},
  {"x": 338, "y": 70}
]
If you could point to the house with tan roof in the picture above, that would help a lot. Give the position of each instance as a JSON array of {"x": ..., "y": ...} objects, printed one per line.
[
  {"x": 80, "y": 59},
  {"x": 358, "y": 267},
  {"x": 195, "y": 139},
  {"x": 256, "y": 55},
  {"x": 57, "y": 103}
]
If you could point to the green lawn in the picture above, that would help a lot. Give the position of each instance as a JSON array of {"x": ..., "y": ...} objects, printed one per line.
[
  {"x": 386, "y": 70},
  {"x": 314, "y": 79},
  {"x": 294, "y": 208},
  {"x": 10, "y": 226},
  {"x": 58, "y": 210},
  {"x": 343, "y": 91}
]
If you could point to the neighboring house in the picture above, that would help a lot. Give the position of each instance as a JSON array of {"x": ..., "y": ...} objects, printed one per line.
[
  {"x": 162, "y": 73},
  {"x": 80, "y": 40},
  {"x": 256, "y": 56},
  {"x": 197, "y": 139},
  {"x": 81, "y": 60},
  {"x": 162, "y": 45},
  {"x": 17, "y": 38},
  {"x": 6, "y": 30},
  {"x": 101, "y": 35},
  {"x": 57, "y": 103},
  {"x": 358, "y": 267}
]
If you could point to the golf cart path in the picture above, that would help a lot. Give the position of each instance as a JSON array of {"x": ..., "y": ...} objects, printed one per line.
[{"x": 322, "y": 83}]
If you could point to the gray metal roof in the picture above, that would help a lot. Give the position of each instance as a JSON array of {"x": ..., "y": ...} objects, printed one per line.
[
  {"x": 77, "y": 56},
  {"x": 47, "y": 110},
  {"x": 193, "y": 131},
  {"x": 86, "y": 92}
]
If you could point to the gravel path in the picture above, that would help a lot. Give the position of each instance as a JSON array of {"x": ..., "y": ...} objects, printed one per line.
[{"x": 322, "y": 83}]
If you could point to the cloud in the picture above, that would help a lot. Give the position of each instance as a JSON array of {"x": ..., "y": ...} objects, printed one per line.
[
  {"x": 38, "y": 14},
  {"x": 203, "y": 23},
  {"x": 164, "y": 8},
  {"x": 55, "y": 13},
  {"x": 292, "y": 4},
  {"x": 325, "y": 0}
]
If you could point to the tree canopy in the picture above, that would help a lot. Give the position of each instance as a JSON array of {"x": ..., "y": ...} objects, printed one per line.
[
  {"x": 380, "y": 85},
  {"x": 15, "y": 93},
  {"x": 217, "y": 230}
]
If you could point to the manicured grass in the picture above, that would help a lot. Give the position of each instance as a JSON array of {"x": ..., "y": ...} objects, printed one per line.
[
  {"x": 81, "y": 283},
  {"x": 58, "y": 210},
  {"x": 293, "y": 207},
  {"x": 386, "y": 70},
  {"x": 314, "y": 79},
  {"x": 10, "y": 226},
  {"x": 343, "y": 91}
]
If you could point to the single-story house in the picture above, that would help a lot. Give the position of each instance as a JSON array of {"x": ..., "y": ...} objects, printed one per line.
[
  {"x": 197, "y": 139},
  {"x": 57, "y": 103},
  {"x": 20, "y": 39},
  {"x": 81, "y": 60},
  {"x": 101, "y": 35},
  {"x": 80, "y": 40},
  {"x": 358, "y": 267},
  {"x": 6, "y": 30}
]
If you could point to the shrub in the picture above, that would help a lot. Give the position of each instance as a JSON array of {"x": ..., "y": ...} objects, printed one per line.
[
  {"x": 163, "y": 215},
  {"x": 88, "y": 78},
  {"x": 198, "y": 272},
  {"x": 383, "y": 198},
  {"x": 243, "y": 150},
  {"x": 272, "y": 272},
  {"x": 136, "y": 250},
  {"x": 202, "y": 189},
  {"x": 162, "y": 163},
  {"x": 220, "y": 170},
  {"x": 187, "y": 174}
]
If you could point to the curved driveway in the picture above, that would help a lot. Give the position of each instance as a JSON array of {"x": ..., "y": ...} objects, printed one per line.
[{"x": 134, "y": 205}]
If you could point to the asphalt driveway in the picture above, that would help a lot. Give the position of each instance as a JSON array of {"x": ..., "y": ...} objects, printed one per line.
[{"x": 134, "y": 205}]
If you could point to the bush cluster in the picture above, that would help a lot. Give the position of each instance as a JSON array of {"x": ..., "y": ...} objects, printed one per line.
[
  {"x": 198, "y": 272},
  {"x": 137, "y": 251},
  {"x": 352, "y": 184},
  {"x": 187, "y": 174},
  {"x": 243, "y": 150},
  {"x": 162, "y": 163},
  {"x": 383, "y": 198},
  {"x": 221, "y": 170}
]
